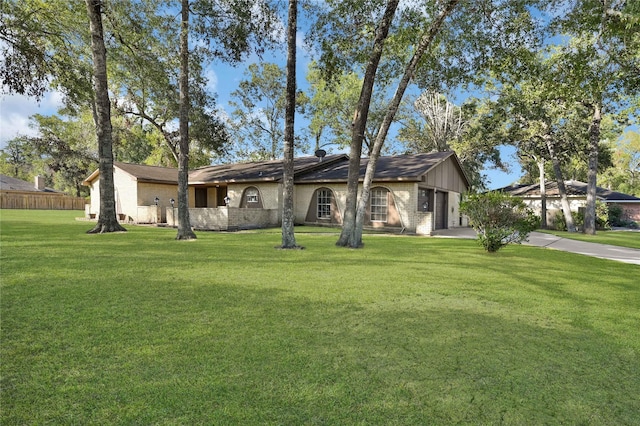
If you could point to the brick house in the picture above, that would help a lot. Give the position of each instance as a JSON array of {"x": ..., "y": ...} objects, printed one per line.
[
  {"x": 410, "y": 193},
  {"x": 577, "y": 197}
]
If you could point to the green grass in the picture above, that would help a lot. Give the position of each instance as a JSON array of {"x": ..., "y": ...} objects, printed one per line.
[
  {"x": 629, "y": 239},
  {"x": 137, "y": 328}
]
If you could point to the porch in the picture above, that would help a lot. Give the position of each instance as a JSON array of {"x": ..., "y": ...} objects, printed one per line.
[{"x": 226, "y": 218}]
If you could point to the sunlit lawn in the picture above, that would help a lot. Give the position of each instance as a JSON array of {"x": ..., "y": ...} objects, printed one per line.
[
  {"x": 137, "y": 328},
  {"x": 617, "y": 238}
]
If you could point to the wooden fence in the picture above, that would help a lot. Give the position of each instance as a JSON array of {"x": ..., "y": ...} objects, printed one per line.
[{"x": 40, "y": 201}]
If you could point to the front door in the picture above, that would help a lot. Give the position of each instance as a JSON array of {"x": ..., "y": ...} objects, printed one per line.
[
  {"x": 201, "y": 197},
  {"x": 441, "y": 210},
  {"x": 221, "y": 194}
]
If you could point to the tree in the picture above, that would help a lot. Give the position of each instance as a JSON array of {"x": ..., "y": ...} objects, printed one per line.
[
  {"x": 288, "y": 236},
  {"x": 259, "y": 109},
  {"x": 331, "y": 106},
  {"x": 184, "y": 222},
  {"x": 147, "y": 75},
  {"x": 600, "y": 65},
  {"x": 624, "y": 176},
  {"x": 439, "y": 125},
  {"x": 257, "y": 120},
  {"x": 348, "y": 237},
  {"x": 66, "y": 149},
  {"x": 221, "y": 29},
  {"x": 499, "y": 219},
  {"x": 17, "y": 159},
  {"x": 43, "y": 46},
  {"x": 107, "y": 220},
  {"x": 476, "y": 32},
  {"x": 424, "y": 43},
  {"x": 445, "y": 122}
]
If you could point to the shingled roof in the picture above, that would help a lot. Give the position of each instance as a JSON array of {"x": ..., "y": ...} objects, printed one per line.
[
  {"x": 263, "y": 171},
  {"x": 332, "y": 168},
  {"x": 142, "y": 173},
  {"x": 395, "y": 168},
  {"x": 573, "y": 187},
  {"x": 8, "y": 183}
]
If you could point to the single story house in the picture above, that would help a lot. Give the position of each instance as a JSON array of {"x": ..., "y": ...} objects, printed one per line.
[
  {"x": 577, "y": 197},
  {"x": 410, "y": 193},
  {"x": 19, "y": 194}
]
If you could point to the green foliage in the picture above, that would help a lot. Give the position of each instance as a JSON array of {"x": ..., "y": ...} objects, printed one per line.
[
  {"x": 616, "y": 217},
  {"x": 332, "y": 105},
  {"x": 560, "y": 223},
  {"x": 257, "y": 120},
  {"x": 44, "y": 45},
  {"x": 624, "y": 176},
  {"x": 499, "y": 219},
  {"x": 602, "y": 218}
]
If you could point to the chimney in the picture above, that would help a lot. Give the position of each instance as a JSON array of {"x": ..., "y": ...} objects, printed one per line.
[{"x": 39, "y": 183}]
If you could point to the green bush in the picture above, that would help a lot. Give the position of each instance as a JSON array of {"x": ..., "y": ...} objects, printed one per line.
[
  {"x": 560, "y": 223},
  {"x": 602, "y": 218},
  {"x": 499, "y": 219},
  {"x": 615, "y": 215}
]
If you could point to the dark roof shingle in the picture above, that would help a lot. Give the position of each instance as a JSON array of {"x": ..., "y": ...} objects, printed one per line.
[
  {"x": 392, "y": 168},
  {"x": 149, "y": 173},
  {"x": 8, "y": 183},
  {"x": 573, "y": 187}
]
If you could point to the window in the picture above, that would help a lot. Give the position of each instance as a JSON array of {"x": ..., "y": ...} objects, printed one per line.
[
  {"x": 324, "y": 204},
  {"x": 252, "y": 195},
  {"x": 378, "y": 205}
]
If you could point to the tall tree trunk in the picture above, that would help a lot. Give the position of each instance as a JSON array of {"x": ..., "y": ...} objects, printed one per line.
[
  {"x": 184, "y": 222},
  {"x": 557, "y": 170},
  {"x": 543, "y": 194},
  {"x": 423, "y": 45},
  {"x": 347, "y": 236},
  {"x": 107, "y": 220},
  {"x": 288, "y": 235},
  {"x": 594, "y": 145}
]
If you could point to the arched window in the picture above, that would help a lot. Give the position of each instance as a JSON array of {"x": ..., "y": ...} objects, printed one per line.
[
  {"x": 251, "y": 198},
  {"x": 379, "y": 204},
  {"x": 323, "y": 208},
  {"x": 324, "y": 197}
]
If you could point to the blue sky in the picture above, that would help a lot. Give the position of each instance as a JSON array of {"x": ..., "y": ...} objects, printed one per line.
[{"x": 15, "y": 110}]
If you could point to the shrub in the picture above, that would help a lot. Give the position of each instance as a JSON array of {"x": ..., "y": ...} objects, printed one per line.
[
  {"x": 560, "y": 222},
  {"x": 602, "y": 216},
  {"x": 499, "y": 219}
]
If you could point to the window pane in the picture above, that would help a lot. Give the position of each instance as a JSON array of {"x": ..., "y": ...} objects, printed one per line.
[
  {"x": 379, "y": 205},
  {"x": 324, "y": 204},
  {"x": 252, "y": 195}
]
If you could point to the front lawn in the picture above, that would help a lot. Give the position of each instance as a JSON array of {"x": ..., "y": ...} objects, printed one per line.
[
  {"x": 629, "y": 239},
  {"x": 137, "y": 328}
]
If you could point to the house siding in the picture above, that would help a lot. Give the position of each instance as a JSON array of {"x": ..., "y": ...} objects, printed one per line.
[
  {"x": 446, "y": 176},
  {"x": 405, "y": 198},
  {"x": 404, "y": 212},
  {"x": 630, "y": 211},
  {"x": 147, "y": 192}
]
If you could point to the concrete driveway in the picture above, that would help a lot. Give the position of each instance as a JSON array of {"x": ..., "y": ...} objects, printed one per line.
[{"x": 539, "y": 239}]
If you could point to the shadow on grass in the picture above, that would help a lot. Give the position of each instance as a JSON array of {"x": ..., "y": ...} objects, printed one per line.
[
  {"x": 138, "y": 328},
  {"x": 205, "y": 352}
]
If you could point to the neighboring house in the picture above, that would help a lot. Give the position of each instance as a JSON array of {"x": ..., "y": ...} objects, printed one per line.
[
  {"x": 411, "y": 193},
  {"x": 577, "y": 196},
  {"x": 20, "y": 194}
]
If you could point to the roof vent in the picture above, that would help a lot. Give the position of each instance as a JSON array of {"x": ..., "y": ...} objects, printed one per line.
[{"x": 320, "y": 153}]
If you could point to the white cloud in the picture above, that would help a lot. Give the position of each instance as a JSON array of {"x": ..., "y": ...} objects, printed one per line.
[
  {"x": 212, "y": 80},
  {"x": 15, "y": 111}
]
